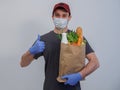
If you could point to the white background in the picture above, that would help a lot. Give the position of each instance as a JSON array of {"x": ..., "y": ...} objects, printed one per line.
[{"x": 22, "y": 20}]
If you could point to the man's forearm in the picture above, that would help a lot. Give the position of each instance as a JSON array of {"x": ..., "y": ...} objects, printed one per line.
[
  {"x": 26, "y": 59},
  {"x": 92, "y": 65}
]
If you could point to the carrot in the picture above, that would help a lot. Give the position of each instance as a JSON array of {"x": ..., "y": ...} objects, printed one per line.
[{"x": 74, "y": 43}]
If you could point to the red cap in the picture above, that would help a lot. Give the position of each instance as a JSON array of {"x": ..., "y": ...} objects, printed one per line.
[{"x": 63, "y": 5}]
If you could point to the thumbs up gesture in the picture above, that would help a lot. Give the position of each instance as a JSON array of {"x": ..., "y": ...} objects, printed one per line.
[{"x": 38, "y": 46}]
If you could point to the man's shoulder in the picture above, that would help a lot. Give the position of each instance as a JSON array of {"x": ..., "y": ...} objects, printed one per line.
[{"x": 47, "y": 35}]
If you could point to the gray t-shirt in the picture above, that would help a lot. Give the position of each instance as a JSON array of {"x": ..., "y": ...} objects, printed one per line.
[{"x": 51, "y": 55}]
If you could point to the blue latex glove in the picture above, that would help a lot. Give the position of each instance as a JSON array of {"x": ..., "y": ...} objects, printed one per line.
[
  {"x": 72, "y": 79},
  {"x": 38, "y": 46}
]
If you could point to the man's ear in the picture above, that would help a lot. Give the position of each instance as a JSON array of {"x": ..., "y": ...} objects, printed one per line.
[{"x": 69, "y": 18}]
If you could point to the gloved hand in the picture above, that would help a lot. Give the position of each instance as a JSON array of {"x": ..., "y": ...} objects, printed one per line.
[
  {"x": 38, "y": 46},
  {"x": 72, "y": 79}
]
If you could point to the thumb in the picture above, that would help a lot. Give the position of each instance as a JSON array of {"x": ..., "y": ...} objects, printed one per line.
[{"x": 38, "y": 38}]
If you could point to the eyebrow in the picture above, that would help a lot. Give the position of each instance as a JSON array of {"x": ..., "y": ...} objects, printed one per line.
[{"x": 62, "y": 14}]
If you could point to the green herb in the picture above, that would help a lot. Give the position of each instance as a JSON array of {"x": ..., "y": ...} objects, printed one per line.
[{"x": 72, "y": 37}]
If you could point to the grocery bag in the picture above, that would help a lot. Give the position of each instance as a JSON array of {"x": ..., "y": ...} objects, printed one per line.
[{"x": 72, "y": 60}]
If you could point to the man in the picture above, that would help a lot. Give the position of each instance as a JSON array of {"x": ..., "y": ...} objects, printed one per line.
[{"x": 48, "y": 45}]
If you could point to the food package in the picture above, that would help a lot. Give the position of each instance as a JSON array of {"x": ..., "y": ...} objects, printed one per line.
[{"x": 72, "y": 54}]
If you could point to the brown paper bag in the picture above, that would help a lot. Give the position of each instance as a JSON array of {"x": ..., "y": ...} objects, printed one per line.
[{"x": 72, "y": 60}]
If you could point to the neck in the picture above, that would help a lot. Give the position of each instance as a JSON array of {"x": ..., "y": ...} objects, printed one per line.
[{"x": 60, "y": 31}]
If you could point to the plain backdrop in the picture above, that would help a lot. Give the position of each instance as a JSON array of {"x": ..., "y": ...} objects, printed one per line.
[{"x": 22, "y": 20}]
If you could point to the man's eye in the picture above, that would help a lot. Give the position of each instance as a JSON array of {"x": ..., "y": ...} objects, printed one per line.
[
  {"x": 57, "y": 15},
  {"x": 64, "y": 16}
]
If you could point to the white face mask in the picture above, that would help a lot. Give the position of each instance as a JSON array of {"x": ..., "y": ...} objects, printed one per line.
[{"x": 60, "y": 23}]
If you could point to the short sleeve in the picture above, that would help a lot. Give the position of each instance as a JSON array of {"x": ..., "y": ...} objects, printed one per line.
[
  {"x": 36, "y": 56},
  {"x": 88, "y": 47}
]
